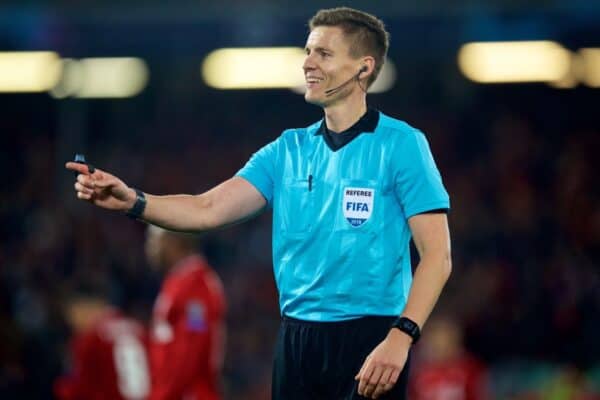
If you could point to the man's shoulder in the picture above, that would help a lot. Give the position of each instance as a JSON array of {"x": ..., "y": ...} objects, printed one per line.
[
  {"x": 116, "y": 325},
  {"x": 188, "y": 269},
  {"x": 191, "y": 276},
  {"x": 395, "y": 126},
  {"x": 307, "y": 130}
]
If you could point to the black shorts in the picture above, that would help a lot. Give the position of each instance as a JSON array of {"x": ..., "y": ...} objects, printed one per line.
[{"x": 319, "y": 360}]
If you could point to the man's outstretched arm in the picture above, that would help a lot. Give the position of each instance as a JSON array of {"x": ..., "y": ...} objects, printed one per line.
[{"x": 232, "y": 201}]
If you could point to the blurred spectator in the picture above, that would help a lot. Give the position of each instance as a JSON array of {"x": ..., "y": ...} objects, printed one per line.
[
  {"x": 108, "y": 353},
  {"x": 444, "y": 369},
  {"x": 188, "y": 332}
]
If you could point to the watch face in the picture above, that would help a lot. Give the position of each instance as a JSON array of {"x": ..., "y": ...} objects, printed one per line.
[{"x": 409, "y": 327}]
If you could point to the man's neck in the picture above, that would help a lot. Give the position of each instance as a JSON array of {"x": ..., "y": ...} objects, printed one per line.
[
  {"x": 342, "y": 116},
  {"x": 174, "y": 258}
]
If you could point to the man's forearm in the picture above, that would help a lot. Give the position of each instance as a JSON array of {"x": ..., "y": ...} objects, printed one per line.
[
  {"x": 230, "y": 202},
  {"x": 430, "y": 277},
  {"x": 181, "y": 212}
]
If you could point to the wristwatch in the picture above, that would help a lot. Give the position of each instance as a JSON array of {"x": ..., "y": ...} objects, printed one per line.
[
  {"x": 409, "y": 327},
  {"x": 139, "y": 206}
]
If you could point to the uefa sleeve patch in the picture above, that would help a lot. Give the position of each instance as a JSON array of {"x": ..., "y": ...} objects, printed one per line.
[
  {"x": 195, "y": 316},
  {"x": 358, "y": 205}
]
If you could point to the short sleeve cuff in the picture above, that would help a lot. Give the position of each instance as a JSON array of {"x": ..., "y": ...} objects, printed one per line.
[
  {"x": 423, "y": 208},
  {"x": 262, "y": 186}
]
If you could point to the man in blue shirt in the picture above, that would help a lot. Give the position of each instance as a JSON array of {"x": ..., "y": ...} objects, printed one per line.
[{"x": 347, "y": 194}]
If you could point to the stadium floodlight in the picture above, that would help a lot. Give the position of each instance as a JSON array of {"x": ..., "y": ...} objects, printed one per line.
[
  {"x": 254, "y": 68},
  {"x": 524, "y": 61},
  {"x": 590, "y": 66},
  {"x": 70, "y": 81},
  {"x": 386, "y": 79},
  {"x": 29, "y": 71},
  {"x": 111, "y": 77}
]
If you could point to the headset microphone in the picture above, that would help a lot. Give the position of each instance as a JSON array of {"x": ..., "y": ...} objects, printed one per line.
[{"x": 334, "y": 90}]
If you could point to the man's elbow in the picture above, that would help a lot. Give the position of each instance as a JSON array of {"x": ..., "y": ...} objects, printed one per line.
[
  {"x": 204, "y": 218},
  {"x": 438, "y": 262},
  {"x": 446, "y": 265}
]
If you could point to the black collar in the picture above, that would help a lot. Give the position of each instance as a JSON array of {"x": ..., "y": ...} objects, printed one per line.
[{"x": 366, "y": 124}]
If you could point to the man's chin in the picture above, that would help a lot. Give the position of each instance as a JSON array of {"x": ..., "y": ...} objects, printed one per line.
[{"x": 312, "y": 99}]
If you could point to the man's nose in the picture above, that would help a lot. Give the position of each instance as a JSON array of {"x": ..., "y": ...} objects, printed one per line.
[{"x": 308, "y": 64}]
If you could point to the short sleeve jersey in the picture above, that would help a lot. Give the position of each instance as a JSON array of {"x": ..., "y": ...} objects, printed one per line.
[
  {"x": 340, "y": 218},
  {"x": 188, "y": 333},
  {"x": 109, "y": 361}
]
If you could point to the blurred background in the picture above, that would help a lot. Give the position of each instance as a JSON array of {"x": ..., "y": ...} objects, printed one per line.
[{"x": 128, "y": 84}]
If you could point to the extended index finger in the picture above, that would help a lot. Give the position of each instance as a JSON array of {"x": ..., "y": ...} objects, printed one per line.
[{"x": 77, "y": 167}]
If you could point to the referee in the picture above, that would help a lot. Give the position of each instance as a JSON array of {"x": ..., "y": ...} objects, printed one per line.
[{"x": 347, "y": 193}]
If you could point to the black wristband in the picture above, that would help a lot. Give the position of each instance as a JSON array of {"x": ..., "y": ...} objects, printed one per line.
[
  {"x": 139, "y": 206},
  {"x": 408, "y": 326}
]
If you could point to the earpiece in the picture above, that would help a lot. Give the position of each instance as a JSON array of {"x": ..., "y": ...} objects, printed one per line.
[{"x": 356, "y": 77}]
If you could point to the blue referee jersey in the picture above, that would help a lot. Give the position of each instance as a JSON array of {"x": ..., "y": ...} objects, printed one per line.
[{"x": 340, "y": 217}]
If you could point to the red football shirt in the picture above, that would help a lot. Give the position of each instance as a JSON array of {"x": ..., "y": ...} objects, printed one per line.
[
  {"x": 108, "y": 362},
  {"x": 188, "y": 334},
  {"x": 463, "y": 378}
]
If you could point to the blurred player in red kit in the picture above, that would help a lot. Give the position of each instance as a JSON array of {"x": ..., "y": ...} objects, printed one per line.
[
  {"x": 108, "y": 353},
  {"x": 187, "y": 335},
  {"x": 443, "y": 369}
]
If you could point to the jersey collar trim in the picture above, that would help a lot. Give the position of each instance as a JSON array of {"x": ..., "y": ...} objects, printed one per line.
[{"x": 366, "y": 124}]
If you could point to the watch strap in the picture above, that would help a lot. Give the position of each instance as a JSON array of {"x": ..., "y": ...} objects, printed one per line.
[
  {"x": 139, "y": 206},
  {"x": 408, "y": 326}
]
